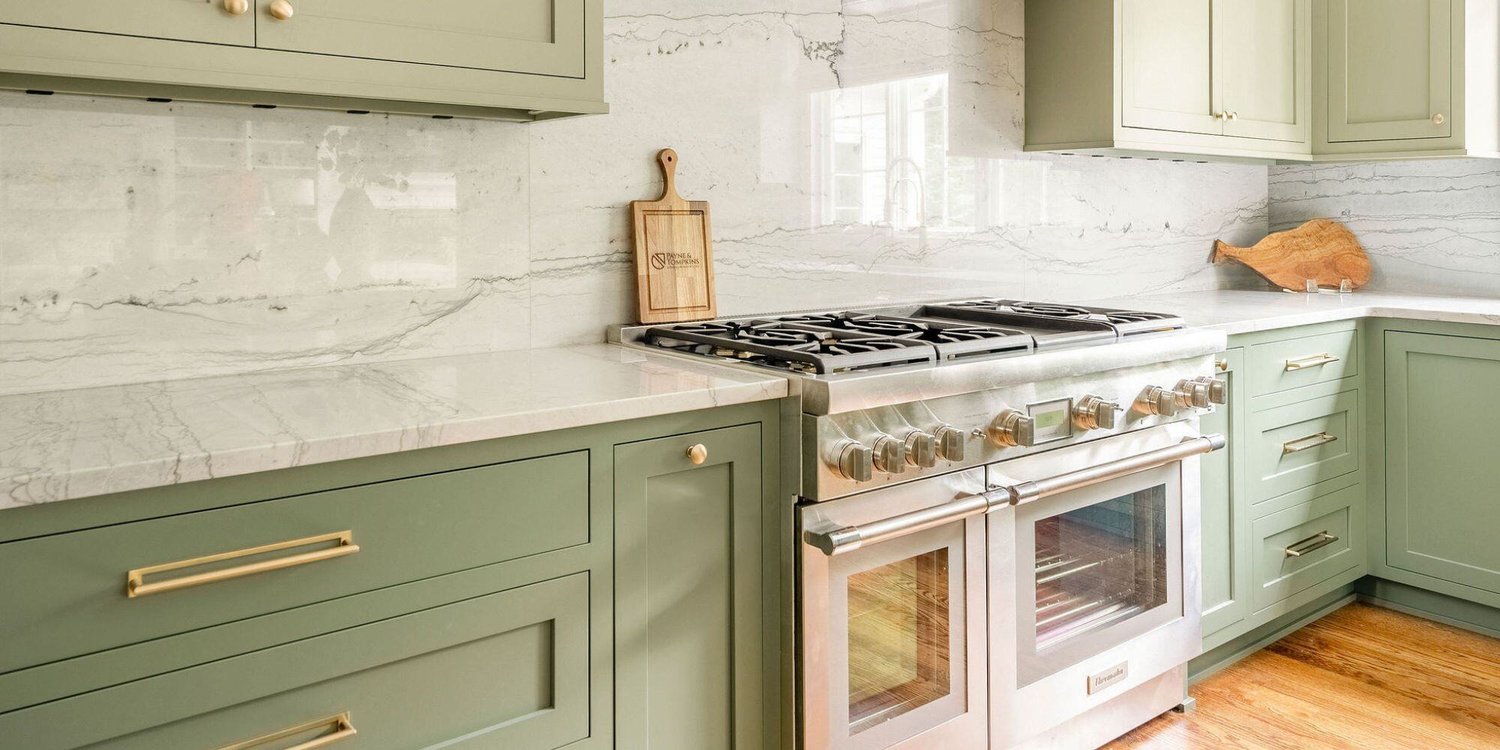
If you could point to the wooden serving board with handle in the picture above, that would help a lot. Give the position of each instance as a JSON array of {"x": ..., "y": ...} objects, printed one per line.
[
  {"x": 1322, "y": 249},
  {"x": 674, "y": 259}
]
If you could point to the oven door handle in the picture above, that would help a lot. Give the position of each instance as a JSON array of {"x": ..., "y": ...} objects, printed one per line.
[{"x": 849, "y": 538}]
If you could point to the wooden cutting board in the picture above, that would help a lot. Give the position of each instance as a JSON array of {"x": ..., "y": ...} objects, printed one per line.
[
  {"x": 674, "y": 259},
  {"x": 1321, "y": 249}
]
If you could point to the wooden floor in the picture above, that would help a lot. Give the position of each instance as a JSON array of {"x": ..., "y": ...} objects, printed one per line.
[{"x": 1363, "y": 677}]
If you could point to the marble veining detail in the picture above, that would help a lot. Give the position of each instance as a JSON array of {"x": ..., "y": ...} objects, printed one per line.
[
  {"x": 1237, "y": 311},
  {"x": 855, "y": 151},
  {"x": 1429, "y": 226}
]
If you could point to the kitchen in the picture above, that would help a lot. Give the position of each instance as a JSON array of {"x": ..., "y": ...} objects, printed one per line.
[{"x": 332, "y": 417}]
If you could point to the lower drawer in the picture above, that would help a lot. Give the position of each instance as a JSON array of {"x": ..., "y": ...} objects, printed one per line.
[
  {"x": 1306, "y": 544},
  {"x": 511, "y": 668},
  {"x": 1302, "y": 444}
]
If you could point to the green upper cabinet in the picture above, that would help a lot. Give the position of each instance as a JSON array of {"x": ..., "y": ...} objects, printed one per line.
[
  {"x": 1171, "y": 77},
  {"x": 1442, "y": 402},
  {"x": 516, "y": 60},
  {"x": 690, "y": 561},
  {"x": 1406, "y": 78}
]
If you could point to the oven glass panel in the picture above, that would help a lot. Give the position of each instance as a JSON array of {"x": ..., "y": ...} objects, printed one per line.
[
  {"x": 898, "y": 638},
  {"x": 1100, "y": 565}
]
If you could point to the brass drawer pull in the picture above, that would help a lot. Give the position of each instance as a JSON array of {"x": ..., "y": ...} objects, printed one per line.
[
  {"x": 1311, "y": 544},
  {"x": 340, "y": 724},
  {"x": 135, "y": 580},
  {"x": 1307, "y": 443},
  {"x": 1316, "y": 360}
]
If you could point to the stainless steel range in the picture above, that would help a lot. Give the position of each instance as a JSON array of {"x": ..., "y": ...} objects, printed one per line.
[{"x": 998, "y": 528}]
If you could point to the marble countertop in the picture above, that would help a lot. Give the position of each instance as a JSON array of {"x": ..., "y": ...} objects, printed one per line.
[
  {"x": 60, "y": 445},
  {"x": 1243, "y": 312}
]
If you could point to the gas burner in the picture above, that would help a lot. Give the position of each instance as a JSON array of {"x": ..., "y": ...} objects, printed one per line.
[
  {"x": 874, "y": 325},
  {"x": 1039, "y": 308},
  {"x": 794, "y": 346}
]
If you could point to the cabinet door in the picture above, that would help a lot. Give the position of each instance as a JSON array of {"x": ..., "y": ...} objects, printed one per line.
[
  {"x": 1391, "y": 68},
  {"x": 1442, "y": 410},
  {"x": 1225, "y": 513},
  {"x": 1265, "y": 49},
  {"x": 1167, "y": 56},
  {"x": 187, "y": 20},
  {"x": 688, "y": 552},
  {"x": 544, "y": 37}
]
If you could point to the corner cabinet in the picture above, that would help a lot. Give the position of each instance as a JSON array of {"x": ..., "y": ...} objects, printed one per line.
[{"x": 517, "y": 60}]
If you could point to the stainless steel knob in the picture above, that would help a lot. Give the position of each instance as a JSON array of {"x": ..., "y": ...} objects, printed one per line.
[
  {"x": 1094, "y": 413},
  {"x": 1156, "y": 401},
  {"x": 920, "y": 449},
  {"x": 1192, "y": 394},
  {"x": 1218, "y": 390},
  {"x": 889, "y": 455},
  {"x": 1013, "y": 428},
  {"x": 853, "y": 461},
  {"x": 950, "y": 442}
]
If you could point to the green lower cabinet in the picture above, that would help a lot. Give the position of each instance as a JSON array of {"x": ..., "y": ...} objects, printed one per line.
[
  {"x": 1442, "y": 418},
  {"x": 1225, "y": 516},
  {"x": 689, "y": 631}
]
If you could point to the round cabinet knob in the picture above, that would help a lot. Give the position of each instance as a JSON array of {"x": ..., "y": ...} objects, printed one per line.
[
  {"x": 890, "y": 455},
  {"x": 237, "y": 7},
  {"x": 1439, "y": 119},
  {"x": 854, "y": 461},
  {"x": 1156, "y": 401},
  {"x": 1094, "y": 413},
  {"x": 698, "y": 454},
  {"x": 920, "y": 449},
  {"x": 280, "y": 10},
  {"x": 1013, "y": 428},
  {"x": 1222, "y": 365},
  {"x": 950, "y": 442},
  {"x": 1232, "y": 115}
]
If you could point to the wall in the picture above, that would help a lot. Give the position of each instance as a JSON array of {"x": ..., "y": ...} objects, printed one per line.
[
  {"x": 1429, "y": 226},
  {"x": 854, "y": 152}
]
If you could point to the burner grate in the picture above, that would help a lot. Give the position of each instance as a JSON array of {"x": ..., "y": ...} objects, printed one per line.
[{"x": 792, "y": 346}]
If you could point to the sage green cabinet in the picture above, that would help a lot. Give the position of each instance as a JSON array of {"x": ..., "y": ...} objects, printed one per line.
[
  {"x": 1167, "y": 52},
  {"x": 689, "y": 617},
  {"x": 516, "y": 60},
  {"x": 1225, "y": 514},
  {"x": 1442, "y": 408},
  {"x": 1264, "y": 55}
]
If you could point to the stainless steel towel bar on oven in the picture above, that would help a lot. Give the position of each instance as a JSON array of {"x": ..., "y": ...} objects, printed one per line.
[{"x": 850, "y": 538}]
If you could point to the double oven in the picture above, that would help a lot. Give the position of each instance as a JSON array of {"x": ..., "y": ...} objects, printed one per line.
[{"x": 1048, "y": 600}]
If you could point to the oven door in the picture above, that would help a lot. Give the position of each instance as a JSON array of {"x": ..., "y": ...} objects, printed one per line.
[
  {"x": 1094, "y": 589},
  {"x": 893, "y": 637}
]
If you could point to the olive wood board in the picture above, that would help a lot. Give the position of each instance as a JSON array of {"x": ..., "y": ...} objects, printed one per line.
[{"x": 1322, "y": 249}]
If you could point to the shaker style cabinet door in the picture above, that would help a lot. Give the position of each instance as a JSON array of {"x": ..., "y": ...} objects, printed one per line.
[
  {"x": 1391, "y": 68},
  {"x": 1265, "y": 53},
  {"x": 1225, "y": 511},
  {"x": 541, "y": 37},
  {"x": 1168, "y": 66},
  {"x": 215, "y": 21},
  {"x": 1442, "y": 402},
  {"x": 688, "y": 557}
]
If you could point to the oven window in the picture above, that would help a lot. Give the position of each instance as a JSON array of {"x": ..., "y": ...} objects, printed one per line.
[
  {"x": 1100, "y": 565},
  {"x": 898, "y": 638}
]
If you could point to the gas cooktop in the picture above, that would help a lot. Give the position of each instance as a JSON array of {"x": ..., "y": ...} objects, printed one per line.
[{"x": 925, "y": 335}]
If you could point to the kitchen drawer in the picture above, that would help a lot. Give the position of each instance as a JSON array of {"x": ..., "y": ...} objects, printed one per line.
[
  {"x": 1301, "y": 444},
  {"x": 66, "y": 594},
  {"x": 1319, "y": 532},
  {"x": 508, "y": 669},
  {"x": 1278, "y": 366}
]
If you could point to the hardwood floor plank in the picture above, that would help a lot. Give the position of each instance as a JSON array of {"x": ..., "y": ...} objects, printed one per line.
[{"x": 1363, "y": 678}]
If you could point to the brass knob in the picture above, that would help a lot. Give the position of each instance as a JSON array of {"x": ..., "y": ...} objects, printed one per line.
[
  {"x": 697, "y": 454},
  {"x": 280, "y": 10},
  {"x": 1222, "y": 365},
  {"x": 237, "y": 7},
  {"x": 1439, "y": 119},
  {"x": 1232, "y": 115}
]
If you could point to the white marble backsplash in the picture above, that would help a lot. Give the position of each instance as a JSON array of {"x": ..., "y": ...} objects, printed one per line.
[
  {"x": 1429, "y": 226},
  {"x": 854, "y": 152}
]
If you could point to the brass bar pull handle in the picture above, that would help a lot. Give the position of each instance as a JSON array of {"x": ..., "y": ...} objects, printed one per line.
[
  {"x": 837, "y": 541},
  {"x": 342, "y": 728},
  {"x": 1307, "y": 443},
  {"x": 135, "y": 580},
  {"x": 1316, "y": 360},
  {"x": 1311, "y": 544}
]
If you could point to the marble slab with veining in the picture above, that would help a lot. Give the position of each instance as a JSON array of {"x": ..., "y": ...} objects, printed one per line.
[
  {"x": 1235, "y": 312},
  {"x": 61, "y": 445}
]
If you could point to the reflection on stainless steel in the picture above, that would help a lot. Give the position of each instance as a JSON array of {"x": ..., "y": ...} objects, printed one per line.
[{"x": 898, "y": 638}]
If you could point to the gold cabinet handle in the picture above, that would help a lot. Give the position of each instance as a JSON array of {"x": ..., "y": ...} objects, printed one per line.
[
  {"x": 1311, "y": 544},
  {"x": 1439, "y": 119},
  {"x": 135, "y": 580},
  {"x": 1222, "y": 365},
  {"x": 1307, "y": 443},
  {"x": 342, "y": 728},
  {"x": 280, "y": 10},
  {"x": 1316, "y": 360},
  {"x": 1232, "y": 115},
  {"x": 237, "y": 7},
  {"x": 698, "y": 454}
]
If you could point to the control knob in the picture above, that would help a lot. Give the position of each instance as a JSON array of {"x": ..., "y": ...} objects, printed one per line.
[
  {"x": 1218, "y": 390},
  {"x": 853, "y": 461},
  {"x": 1013, "y": 428},
  {"x": 1094, "y": 413},
  {"x": 1192, "y": 394},
  {"x": 1156, "y": 401},
  {"x": 889, "y": 455},
  {"x": 920, "y": 449},
  {"x": 950, "y": 442}
]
